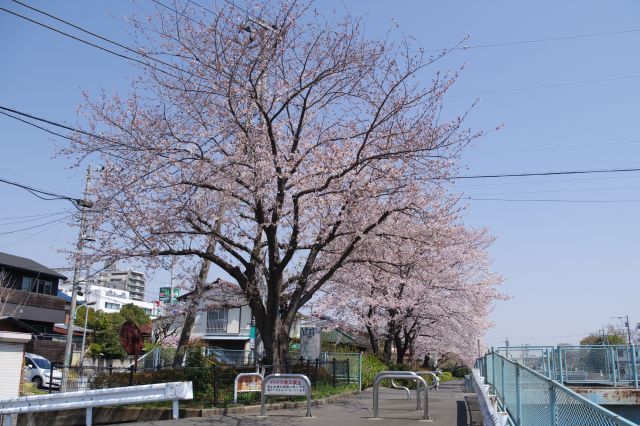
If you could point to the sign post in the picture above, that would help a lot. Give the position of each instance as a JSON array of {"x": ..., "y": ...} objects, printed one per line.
[
  {"x": 286, "y": 385},
  {"x": 310, "y": 343},
  {"x": 246, "y": 382}
]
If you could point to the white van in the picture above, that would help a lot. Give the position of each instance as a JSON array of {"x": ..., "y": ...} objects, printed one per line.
[{"x": 37, "y": 369}]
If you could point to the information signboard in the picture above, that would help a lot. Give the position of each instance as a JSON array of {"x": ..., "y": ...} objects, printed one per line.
[
  {"x": 251, "y": 383},
  {"x": 246, "y": 382},
  {"x": 285, "y": 386}
]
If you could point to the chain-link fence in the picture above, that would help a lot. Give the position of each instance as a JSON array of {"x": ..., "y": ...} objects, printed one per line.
[
  {"x": 531, "y": 399},
  {"x": 615, "y": 365}
]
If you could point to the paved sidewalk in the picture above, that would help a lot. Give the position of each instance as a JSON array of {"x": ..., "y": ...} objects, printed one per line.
[{"x": 446, "y": 408}]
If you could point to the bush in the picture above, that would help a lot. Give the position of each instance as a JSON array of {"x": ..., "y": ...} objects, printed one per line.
[
  {"x": 457, "y": 370},
  {"x": 371, "y": 365},
  {"x": 446, "y": 376}
]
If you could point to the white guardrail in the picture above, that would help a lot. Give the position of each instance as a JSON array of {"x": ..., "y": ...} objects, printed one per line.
[
  {"x": 491, "y": 416},
  {"x": 174, "y": 391}
]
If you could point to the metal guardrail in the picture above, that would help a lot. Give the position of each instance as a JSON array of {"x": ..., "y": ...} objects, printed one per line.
[
  {"x": 174, "y": 391},
  {"x": 402, "y": 375},
  {"x": 532, "y": 399},
  {"x": 610, "y": 365}
]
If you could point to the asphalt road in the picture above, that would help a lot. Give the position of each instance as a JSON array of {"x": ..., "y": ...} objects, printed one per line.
[{"x": 446, "y": 408}]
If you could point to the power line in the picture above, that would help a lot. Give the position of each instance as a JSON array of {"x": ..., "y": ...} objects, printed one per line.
[
  {"x": 84, "y": 30},
  {"x": 550, "y": 181},
  {"x": 554, "y": 173},
  {"x": 45, "y": 195},
  {"x": 548, "y": 86},
  {"x": 121, "y": 55},
  {"x": 33, "y": 219},
  {"x": 612, "y": 188},
  {"x": 539, "y": 40},
  {"x": 33, "y": 215},
  {"x": 36, "y": 126},
  {"x": 552, "y": 200},
  {"x": 53, "y": 123},
  {"x": 35, "y": 226},
  {"x": 62, "y": 126}
]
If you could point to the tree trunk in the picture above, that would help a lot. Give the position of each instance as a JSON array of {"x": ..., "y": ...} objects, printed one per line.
[
  {"x": 373, "y": 340},
  {"x": 190, "y": 313},
  {"x": 425, "y": 363},
  {"x": 387, "y": 349},
  {"x": 276, "y": 345},
  {"x": 401, "y": 349}
]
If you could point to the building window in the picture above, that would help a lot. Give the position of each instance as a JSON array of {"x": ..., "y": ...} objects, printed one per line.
[
  {"x": 109, "y": 305},
  {"x": 36, "y": 285},
  {"x": 217, "y": 321},
  {"x": 147, "y": 311}
]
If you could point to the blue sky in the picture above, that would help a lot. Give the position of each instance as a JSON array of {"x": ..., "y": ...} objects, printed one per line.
[{"x": 566, "y": 104}]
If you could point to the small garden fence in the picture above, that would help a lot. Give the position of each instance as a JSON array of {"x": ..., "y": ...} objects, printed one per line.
[{"x": 212, "y": 385}]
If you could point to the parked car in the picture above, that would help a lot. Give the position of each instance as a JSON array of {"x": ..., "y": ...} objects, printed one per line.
[{"x": 37, "y": 369}]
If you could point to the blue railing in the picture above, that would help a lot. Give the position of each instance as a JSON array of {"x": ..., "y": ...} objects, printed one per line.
[
  {"x": 532, "y": 399},
  {"x": 610, "y": 365}
]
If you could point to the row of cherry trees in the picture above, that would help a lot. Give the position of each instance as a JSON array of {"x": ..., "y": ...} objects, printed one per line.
[
  {"x": 301, "y": 159},
  {"x": 427, "y": 289}
]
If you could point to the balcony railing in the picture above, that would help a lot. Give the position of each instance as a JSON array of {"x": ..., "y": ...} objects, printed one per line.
[{"x": 19, "y": 297}]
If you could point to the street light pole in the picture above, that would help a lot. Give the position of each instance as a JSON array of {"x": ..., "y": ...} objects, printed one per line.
[{"x": 84, "y": 205}]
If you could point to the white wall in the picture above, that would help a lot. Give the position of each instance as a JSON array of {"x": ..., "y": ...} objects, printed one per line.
[
  {"x": 11, "y": 358},
  {"x": 103, "y": 295}
]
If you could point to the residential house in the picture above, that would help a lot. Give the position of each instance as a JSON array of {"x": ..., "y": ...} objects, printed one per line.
[
  {"x": 223, "y": 322},
  {"x": 224, "y": 327},
  {"x": 30, "y": 293}
]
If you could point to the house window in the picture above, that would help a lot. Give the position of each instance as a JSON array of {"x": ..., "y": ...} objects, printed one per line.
[
  {"x": 147, "y": 311},
  {"x": 109, "y": 305},
  {"x": 217, "y": 321},
  {"x": 35, "y": 285}
]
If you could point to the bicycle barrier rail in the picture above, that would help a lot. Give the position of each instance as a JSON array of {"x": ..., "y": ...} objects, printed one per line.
[
  {"x": 285, "y": 385},
  {"x": 246, "y": 382},
  {"x": 532, "y": 399},
  {"x": 404, "y": 388},
  {"x": 401, "y": 375},
  {"x": 174, "y": 391}
]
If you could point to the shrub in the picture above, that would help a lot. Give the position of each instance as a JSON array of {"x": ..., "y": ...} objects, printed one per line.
[{"x": 371, "y": 365}]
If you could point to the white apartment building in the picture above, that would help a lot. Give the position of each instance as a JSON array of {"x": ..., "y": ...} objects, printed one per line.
[
  {"x": 133, "y": 282},
  {"x": 112, "y": 300}
]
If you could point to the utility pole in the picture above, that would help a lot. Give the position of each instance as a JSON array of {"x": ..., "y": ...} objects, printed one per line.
[
  {"x": 626, "y": 324},
  {"x": 171, "y": 285},
  {"x": 87, "y": 290},
  {"x": 84, "y": 205}
]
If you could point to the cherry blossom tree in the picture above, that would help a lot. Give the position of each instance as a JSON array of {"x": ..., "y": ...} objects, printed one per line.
[
  {"x": 286, "y": 138},
  {"x": 427, "y": 290}
]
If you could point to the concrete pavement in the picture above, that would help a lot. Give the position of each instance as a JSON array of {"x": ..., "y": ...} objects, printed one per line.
[{"x": 446, "y": 408}]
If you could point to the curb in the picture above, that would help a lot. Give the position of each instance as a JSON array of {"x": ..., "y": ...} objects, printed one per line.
[
  {"x": 125, "y": 414},
  {"x": 209, "y": 412}
]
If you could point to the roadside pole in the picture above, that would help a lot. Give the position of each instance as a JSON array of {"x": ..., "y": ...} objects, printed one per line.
[{"x": 68, "y": 354}]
